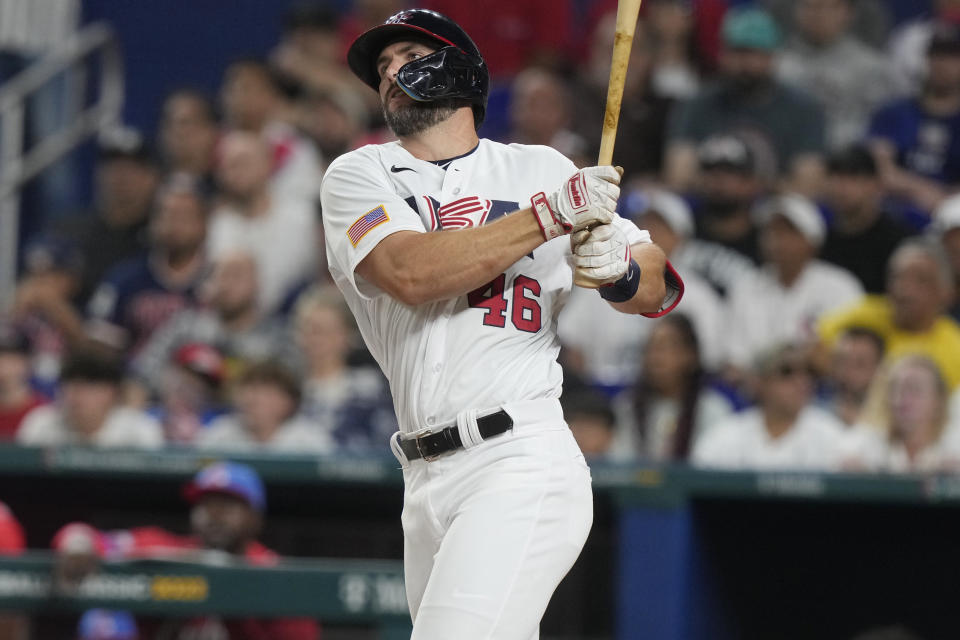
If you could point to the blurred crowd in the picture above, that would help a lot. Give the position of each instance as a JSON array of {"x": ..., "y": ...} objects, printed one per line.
[
  {"x": 227, "y": 507},
  {"x": 797, "y": 161}
]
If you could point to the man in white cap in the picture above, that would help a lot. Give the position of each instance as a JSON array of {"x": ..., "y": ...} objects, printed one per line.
[
  {"x": 782, "y": 302},
  {"x": 611, "y": 358}
]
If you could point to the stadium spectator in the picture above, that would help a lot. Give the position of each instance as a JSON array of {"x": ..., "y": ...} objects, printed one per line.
[
  {"x": 126, "y": 178},
  {"x": 703, "y": 45},
  {"x": 854, "y": 362},
  {"x": 591, "y": 419},
  {"x": 227, "y": 514},
  {"x": 862, "y": 236},
  {"x": 266, "y": 417},
  {"x": 105, "y": 624},
  {"x": 352, "y": 405},
  {"x": 749, "y": 101},
  {"x": 782, "y": 302},
  {"x": 784, "y": 431},
  {"x": 671, "y": 225},
  {"x": 12, "y": 542},
  {"x": 45, "y": 305},
  {"x": 137, "y": 296},
  {"x": 189, "y": 130},
  {"x": 17, "y": 397},
  {"x": 541, "y": 113},
  {"x": 230, "y": 320},
  {"x": 514, "y": 35},
  {"x": 870, "y": 20},
  {"x": 254, "y": 219},
  {"x": 917, "y": 139},
  {"x": 848, "y": 78},
  {"x": 727, "y": 190},
  {"x": 189, "y": 392},
  {"x": 335, "y": 121},
  {"x": 88, "y": 411},
  {"x": 946, "y": 228},
  {"x": 311, "y": 50},
  {"x": 641, "y": 132},
  {"x": 906, "y": 428},
  {"x": 908, "y": 43},
  {"x": 608, "y": 358},
  {"x": 671, "y": 406},
  {"x": 911, "y": 316},
  {"x": 257, "y": 99},
  {"x": 677, "y": 61}
]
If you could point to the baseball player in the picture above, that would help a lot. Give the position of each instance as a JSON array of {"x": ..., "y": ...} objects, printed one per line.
[{"x": 455, "y": 255}]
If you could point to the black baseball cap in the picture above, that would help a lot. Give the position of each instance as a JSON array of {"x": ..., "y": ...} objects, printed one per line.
[
  {"x": 855, "y": 160},
  {"x": 726, "y": 151},
  {"x": 125, "y": 143}
]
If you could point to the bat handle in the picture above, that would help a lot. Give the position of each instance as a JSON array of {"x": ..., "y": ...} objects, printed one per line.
[{"x": 627, "y": 12}]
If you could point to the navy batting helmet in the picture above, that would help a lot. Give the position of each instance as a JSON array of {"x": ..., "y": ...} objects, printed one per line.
[{"x": 455, "y": 70}]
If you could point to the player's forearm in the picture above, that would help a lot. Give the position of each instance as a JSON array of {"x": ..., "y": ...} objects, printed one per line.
[
  {"x": 417, "y": 268},
  {"x": 652, "y": 290}
]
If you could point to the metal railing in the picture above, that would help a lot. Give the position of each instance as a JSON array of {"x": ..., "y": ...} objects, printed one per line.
[{"x": 19, "y": 164}]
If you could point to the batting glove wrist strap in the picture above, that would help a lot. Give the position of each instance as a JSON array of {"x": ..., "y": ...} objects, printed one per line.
[
  {"x": 625, "y": 288},
  {"x": 550, "y": 226},
  {"x": 588, "y": 198}
]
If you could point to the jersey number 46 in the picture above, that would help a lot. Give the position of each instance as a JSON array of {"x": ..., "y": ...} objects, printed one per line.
[{"x": 526, "y": 310}]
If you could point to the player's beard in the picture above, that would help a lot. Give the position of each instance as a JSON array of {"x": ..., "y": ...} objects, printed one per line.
[{"x": 416, "y": 117}]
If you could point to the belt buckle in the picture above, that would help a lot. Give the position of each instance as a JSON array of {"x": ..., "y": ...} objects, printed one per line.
[{"x": 415, "y": 436}]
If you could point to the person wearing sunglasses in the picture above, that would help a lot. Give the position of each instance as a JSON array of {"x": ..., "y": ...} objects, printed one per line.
[{"x": 784, "y": 431}]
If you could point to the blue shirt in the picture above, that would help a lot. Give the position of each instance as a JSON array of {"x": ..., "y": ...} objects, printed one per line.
[
  {"x": 133, "y": 301},
  {"x": 925, "y": 144}
]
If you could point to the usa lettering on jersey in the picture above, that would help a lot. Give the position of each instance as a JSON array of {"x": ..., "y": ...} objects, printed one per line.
[{"x": 471, "y": 211}]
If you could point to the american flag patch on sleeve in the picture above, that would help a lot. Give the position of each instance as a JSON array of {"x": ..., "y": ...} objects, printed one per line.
[{"x": 365, "y": 223}]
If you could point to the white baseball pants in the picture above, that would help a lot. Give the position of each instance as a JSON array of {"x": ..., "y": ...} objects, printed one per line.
[{"x": 490, "y": 531}]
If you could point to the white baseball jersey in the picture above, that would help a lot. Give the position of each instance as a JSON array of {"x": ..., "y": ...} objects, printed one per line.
[
  {"x": 741, "y": 441},
  {"x": 494, "y": 345}
]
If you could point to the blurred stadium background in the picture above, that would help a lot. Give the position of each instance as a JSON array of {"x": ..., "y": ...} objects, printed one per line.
[{"x": 776, "y": 459}]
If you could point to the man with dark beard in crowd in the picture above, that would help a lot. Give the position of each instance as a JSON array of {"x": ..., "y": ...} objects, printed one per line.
[
  {"x": 726, "y": 244},
  {"x": 749, "y": 101}
]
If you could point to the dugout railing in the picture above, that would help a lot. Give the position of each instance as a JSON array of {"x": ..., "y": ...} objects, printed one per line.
[{"x": 675, "y": 552}]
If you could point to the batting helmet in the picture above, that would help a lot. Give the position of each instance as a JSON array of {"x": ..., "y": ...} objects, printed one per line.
[{"x": 455, "y": 70}]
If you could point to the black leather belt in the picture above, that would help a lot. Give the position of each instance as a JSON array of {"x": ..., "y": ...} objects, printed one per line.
[{"x": 431, "y": 445}]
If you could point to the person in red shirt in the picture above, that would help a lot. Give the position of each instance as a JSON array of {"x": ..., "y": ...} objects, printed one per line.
[
  {"x": 226, "y": 517},
  {"x": 12, "y": 541},
  {"x": 17, "y": 397},
  {"x": 12, "y": 626}
]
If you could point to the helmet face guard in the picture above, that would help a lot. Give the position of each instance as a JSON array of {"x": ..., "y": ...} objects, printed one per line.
[
  {"x": 449, "y": 72},
  {"x": 455, "y": 70}
]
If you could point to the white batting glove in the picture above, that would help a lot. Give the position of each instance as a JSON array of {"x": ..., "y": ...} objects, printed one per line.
[
  {"x": 588, "y": 198},
  {"x": 601, "y": 255}
]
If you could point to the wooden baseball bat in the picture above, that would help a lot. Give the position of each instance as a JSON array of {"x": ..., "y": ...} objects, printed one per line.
[{"x": 627, "y": 12}]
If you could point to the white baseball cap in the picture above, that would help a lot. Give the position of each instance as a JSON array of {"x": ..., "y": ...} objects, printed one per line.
[
  {"x": 799, "y": 211},
  {"x": 671, "y": 207},
  {"x": 946, "y": 216}
]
